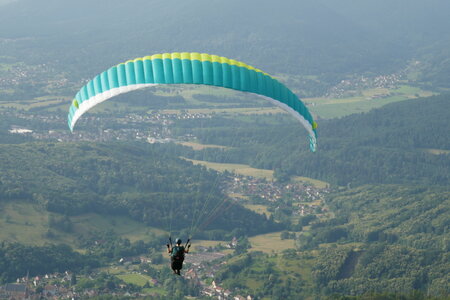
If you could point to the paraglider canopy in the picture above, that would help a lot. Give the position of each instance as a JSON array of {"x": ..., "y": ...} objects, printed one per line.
[{"x": 189, "y": 68}]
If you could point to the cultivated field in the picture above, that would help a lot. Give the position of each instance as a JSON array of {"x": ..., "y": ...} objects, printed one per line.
[
  {"x": 258, "y": 208},
  {"x": 241, "y": 169},
  {"x": 198, "y": 146},
  {"x": 246, "y": 170},
  {"x": 45, "y": 103},
  {"x": 329, "y": 108},
  {"x": 270, "y": 242}
]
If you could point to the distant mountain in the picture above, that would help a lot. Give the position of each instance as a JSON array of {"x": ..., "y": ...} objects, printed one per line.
[{"x": 326, "y": 38}]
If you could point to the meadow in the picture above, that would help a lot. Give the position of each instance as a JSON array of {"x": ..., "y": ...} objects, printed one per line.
[
  {"x": 29, "y": 224},
  {"x": 329, "y": 108},
  {"x": 247, "y": 170}
]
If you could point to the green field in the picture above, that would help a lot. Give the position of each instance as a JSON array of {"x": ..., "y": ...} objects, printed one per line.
[
  {"x": 329, "y": 108},
  {"x": 24, "y": 223},
  {"x": 123, "y": 226},
  {"x": 314, "y": 182},
  {"x": 241, "y": 169},
  {"x": 258, "y": 208},
  {"x": 189, "y": 91},
  {"x": 47, "y": 103},
  {"x": 135, "y": 278},
  {"x": 28, "y": 223},
  {"x": 270, "y": 242}
]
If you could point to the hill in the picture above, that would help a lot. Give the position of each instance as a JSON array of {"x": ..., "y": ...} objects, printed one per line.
[
  {"x": 318, "y": 38},
  {"x": 147, "y": 183},
  {"x": 383, "y": 239},
  {"x": 399, "y": 143}
]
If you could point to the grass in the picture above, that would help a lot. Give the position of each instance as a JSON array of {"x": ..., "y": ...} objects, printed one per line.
[
  {"x": 437, "y": 151},
  {"x": 123, "y": 226},
  {"x": 24, "y": 223},
  {"x": 47, "y": 102},
  {"x": 334, "y": 108},
  {"x": 114, "y": 270},
  {"x": 198, "y": 146},
  {"x": 28, "y": 224},
  {"x": 246, "y": 170},
  {"x": 301, "y": 268},
  {"x": 270, "y": 242},
  {"x": 238, "y": 195},
  {"x": 136, "y": 279},
  {"x": 258, "y": 208},
  {"x": 314, "y": 182},
  {"x": 254, "y": 284},
  {"x": 159, "y": 291},
  {"x": 7, "y": 66},
  {"x": 241, "y": 169}
]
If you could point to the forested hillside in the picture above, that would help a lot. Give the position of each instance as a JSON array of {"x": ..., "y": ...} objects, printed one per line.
[
  {"x": 383, "y": 239},
  {"x": 149, "y": 183},
  {"x": 403, "y": 236},
  {"x": 398, "y": 143}
]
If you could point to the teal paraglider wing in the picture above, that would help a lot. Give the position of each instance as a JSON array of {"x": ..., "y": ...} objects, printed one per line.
[{"x": 189, "y": 68}]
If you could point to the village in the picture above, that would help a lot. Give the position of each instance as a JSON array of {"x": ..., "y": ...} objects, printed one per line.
[
  {"x": 201, "y": 267},
  {"x": 354, "y": 86},
  {"x": 305, "y": 198},
  {"x": 153, "y": 128}
]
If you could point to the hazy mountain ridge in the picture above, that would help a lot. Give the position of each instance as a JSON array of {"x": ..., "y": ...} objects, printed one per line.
[{"x": 304, "y": 37}]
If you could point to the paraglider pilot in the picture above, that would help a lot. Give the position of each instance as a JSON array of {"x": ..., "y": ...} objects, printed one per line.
[{"x": 177, "y": 254}]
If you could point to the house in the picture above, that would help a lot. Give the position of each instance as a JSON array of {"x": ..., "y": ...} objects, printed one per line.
[
  {"x": 208, "y": 292},
  {"x": 144, "y": 260},
  {"x": 192, "y": 275},
  {"x": 15, "y": 291},
  {"x": 233, "y": 243},
  {"x": 50, "y": 290}
]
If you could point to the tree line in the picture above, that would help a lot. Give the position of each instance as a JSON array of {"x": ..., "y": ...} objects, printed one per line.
[
  {"x": 387, "y": 145},
  {"x": 149, "y": 183}
]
